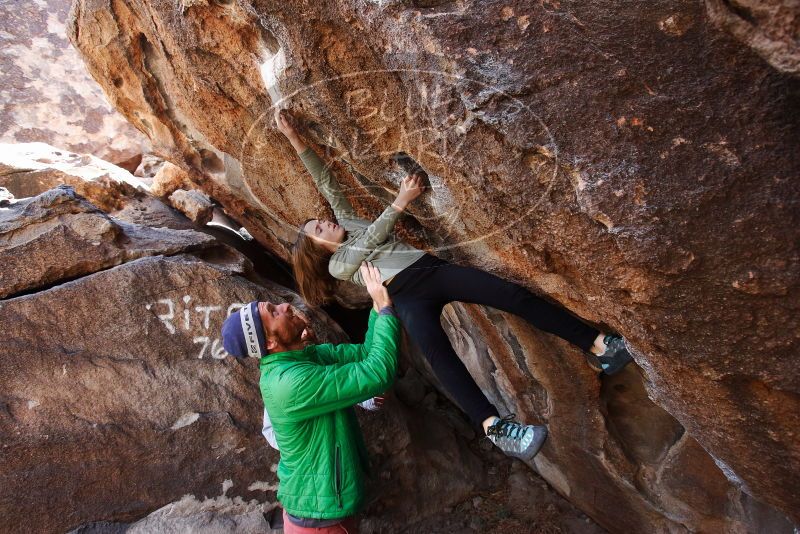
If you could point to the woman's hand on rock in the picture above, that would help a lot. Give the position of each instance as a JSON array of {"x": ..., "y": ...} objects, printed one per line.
[
  {"x": 410, "y": 189},
  {"x": 372, "y": 279},
  {"x": 286, "y": 124}
]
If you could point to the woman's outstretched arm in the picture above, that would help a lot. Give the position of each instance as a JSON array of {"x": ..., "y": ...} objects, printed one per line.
[
  {"x": 345, "y": 263},
  {"x": 326, "y": 183}
]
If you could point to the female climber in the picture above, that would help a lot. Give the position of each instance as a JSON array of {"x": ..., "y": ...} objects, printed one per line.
[{"x": 420, "y": 284}]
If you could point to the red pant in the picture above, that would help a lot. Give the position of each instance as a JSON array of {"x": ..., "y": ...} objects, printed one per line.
[{"x": 347, "y": 526}]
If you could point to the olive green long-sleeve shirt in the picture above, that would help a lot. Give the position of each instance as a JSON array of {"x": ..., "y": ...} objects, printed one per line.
[{"x": 374, "y": 242}]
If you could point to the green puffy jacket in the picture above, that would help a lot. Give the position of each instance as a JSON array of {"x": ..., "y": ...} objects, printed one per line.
[{"x": 309, "y": 395}]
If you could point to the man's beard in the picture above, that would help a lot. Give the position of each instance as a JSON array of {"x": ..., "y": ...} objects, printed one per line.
[{"x": 309, "y": 338}]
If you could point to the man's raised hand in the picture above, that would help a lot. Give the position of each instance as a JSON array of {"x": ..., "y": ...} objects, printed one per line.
[{"x": 372, "y": 279}]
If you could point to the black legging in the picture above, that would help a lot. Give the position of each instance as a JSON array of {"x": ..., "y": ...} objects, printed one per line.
[{"x": 420, "y": 292}]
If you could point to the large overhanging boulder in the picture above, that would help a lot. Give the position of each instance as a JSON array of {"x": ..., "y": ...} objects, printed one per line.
[{"x": 630, "y": 161}]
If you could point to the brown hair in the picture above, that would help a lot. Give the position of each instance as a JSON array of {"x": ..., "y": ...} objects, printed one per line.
[{"x": 310, "y": 264}]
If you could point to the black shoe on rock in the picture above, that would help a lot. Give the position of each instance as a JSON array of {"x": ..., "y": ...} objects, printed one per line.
[{"x": 614, "y": 359}]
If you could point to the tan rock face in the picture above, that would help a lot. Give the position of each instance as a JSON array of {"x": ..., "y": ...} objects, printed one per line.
[
  {"x": 57, "y": 236},
  {"x": 28, "y": 169},
  {"x": 168, "y": 179},
  {"x": 117, "y": 379},
  {"x": 194, "y": 204},
  {"x": 632, "y": 162},
  {"x": 149, "y": 167},
  {"x": 45, "y": 92}
]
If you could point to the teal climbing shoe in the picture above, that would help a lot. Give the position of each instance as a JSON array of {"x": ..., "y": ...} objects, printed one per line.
[{"x": 515, "y": 439}]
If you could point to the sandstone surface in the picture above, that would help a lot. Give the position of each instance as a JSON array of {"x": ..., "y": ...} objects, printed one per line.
[
  {"x": 148, "y": 168},
  {"x": 57, "y": 236},
  {"x": 168, "y": 178},
  {"x": 631, "y": 161},
  {"x": 770, "y": 27},
  {"x": 28, "y": 169},
  {"x": 129, "y": 395},
  {"x": 194, "y": 204},
  {"x": 46, "y": 94}
]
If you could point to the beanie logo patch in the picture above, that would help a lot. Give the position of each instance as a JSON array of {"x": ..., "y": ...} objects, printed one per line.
[{"x": 249, "y": 329}]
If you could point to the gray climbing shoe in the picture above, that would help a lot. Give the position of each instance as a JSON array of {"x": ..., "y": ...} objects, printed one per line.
[
  {"x": 515, "y": 439},
  {"x": 614, "y": 359}
]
